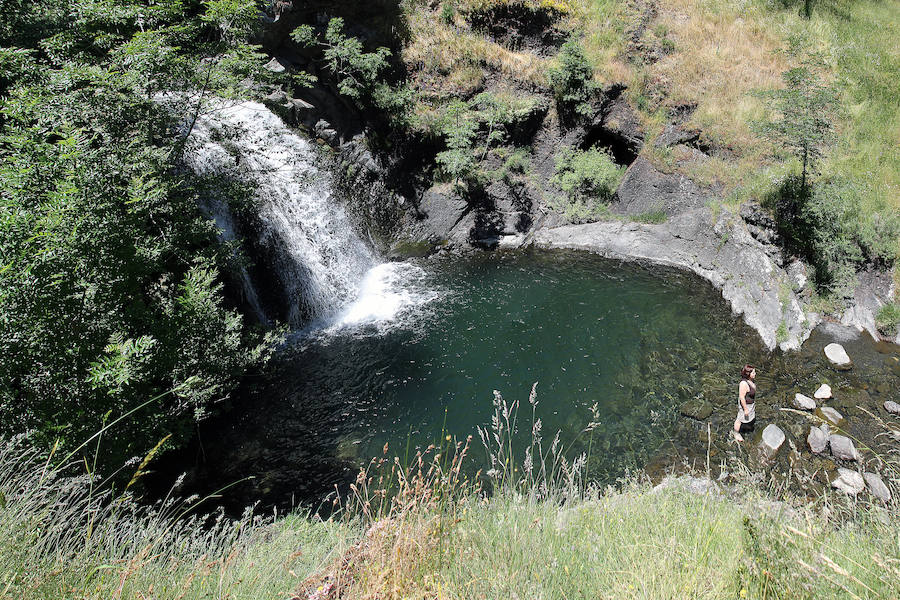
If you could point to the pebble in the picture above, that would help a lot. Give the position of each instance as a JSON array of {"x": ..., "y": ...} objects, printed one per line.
[
  {"x": 892, "y": 407},
  {"x": 877, "y": 487},
  {"x": 817, "y": 440},
  {"x": 849, "y": 482},
  {"x": 824, "y": 392},
  {"x": 804, "y": 402},
  {"x": 772, "y": 438},
  {"x": 830, "y": 414},
  {"x": 842, "y": 447}
]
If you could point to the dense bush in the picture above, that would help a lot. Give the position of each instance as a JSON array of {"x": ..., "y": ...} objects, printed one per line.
[
  {"x": 825, "y": 223},
  {"x": 110, "y": 287},
  {"x": 587, "y": 174}
]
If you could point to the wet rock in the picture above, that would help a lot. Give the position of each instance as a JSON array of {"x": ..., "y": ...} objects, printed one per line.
[
  {"x": 837, "y": 355},
  {"x": 842, "y": 447},
  {"x": 830, "y": 415},
  {"x": 696, "y": 409},
  {"x": 824, "y": 392},
  {"x": 325, "y": 131},
  {"x": 849, "y": 482},
  {"x": 772, "y": 439},
  {"x": 817, "y": 440},
  {"x": 892, "y": 407},
  {"x": 877, "y": 487},
  {"x": 804, "y": 402}
]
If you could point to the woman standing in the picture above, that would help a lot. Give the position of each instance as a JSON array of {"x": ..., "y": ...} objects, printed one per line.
[{"x": 746, "y": 400}]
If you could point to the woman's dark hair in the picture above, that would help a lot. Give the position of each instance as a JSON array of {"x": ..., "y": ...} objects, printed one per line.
[{"x": 745, "y": 372}]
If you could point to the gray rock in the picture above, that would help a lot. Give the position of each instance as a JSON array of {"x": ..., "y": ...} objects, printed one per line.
[
  {"x": 817, "y": 440},
  {"x": 824, "y": 392},
  {"x": 696, "y": 409},
  {"x": 441, "y": 212},
  {"x": 799, "y": 275},
  {"x": 849, "y": 482},
  {"x": 877, "y": 487},
  {"x": 842, "y": 447},
  {"x": 621, "y": 123},
  {"x": 837, "y": 355},
  {"x": 804, "y": 402},
  {"x": 672, "y": 135},
  {"x": 645, "y": 189},
  {"x": 892, "y": 407},
  {"x": 830, "y": 415},
  {"x": 772, "y": 439},
  {"x": 276, "y": 65}
]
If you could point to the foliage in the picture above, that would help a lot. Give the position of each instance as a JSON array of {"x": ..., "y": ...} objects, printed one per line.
[
  {"x": 805, "y": 106},
  {"x": 826, "y": 224},
  {"x": 110, "y": 278},
  {"x": 572, "y": 81},
  {"x": 651, "y": 217},
  {"x": 360, "y": 75},
  {"x": 458, "y": 162},
  {"x": 588, "y": 173},
  {"x": 888, "y": 319}
]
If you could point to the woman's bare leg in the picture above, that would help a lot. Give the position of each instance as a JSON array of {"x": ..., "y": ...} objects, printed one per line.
[{"x": 737, "y": 430}]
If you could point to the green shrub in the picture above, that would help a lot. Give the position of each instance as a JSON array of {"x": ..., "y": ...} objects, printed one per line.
[
  {"x": 572, "y": 81},
  {"x": 888, "y": 319},
  {"x": 651, "y": 217},
  {"x": 587, "y": 173},
  {"x": 825, "y": 223}
]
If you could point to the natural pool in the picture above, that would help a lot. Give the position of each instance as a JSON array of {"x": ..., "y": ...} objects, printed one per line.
[{"x": 636, "y": 341}]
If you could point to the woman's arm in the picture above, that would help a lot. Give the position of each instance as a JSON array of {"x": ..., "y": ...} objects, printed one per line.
[{"x": 743, "y": 388}]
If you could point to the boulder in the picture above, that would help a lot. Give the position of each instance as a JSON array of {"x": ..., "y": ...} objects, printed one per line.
[
  {"x": 824, "y": 392},
  {"x": 892, "y": 407},
  {"x": 877, "y": 487},
  {"x": 830, "y": 415},
  {"x": 696, "y": 409},
  {"x": 837, "y": 355},
  {"x": 804, "y": 402},
  {"x": 817, "y": 440},
  {"x": 772, "y": 439},
  {"x": 849, "y": 482},
  {"x": 842, "y": 447}
]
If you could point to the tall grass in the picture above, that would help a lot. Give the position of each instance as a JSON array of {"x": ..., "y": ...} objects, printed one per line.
[
  {"x": 531, "y": 527},
  {"x": 60, "y": 538}
]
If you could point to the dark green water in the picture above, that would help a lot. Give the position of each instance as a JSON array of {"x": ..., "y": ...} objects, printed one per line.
[{"x": 636, "y": 342}]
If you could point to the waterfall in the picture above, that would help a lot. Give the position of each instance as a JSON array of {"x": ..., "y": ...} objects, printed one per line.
[{"x": 326, "y": 272}]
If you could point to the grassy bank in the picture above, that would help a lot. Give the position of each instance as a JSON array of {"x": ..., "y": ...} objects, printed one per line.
[{"x": 438, "y": 538}]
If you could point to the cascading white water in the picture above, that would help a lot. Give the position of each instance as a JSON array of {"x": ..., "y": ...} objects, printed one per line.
[{"x": 326, "y": 271}]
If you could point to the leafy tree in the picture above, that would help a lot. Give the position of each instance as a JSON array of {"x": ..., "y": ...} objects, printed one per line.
[
  {"x": 110, "y": 278},
  {"x": 572, "y": 81},
  {"x": 458, "y": 162},
  {"x": 360, "y": 75},
  {"x": 804, "y": 108}
]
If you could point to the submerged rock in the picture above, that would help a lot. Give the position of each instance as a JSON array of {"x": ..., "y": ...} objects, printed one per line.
[
  {"x": 837, "y": 355},
  {"x": 877, "y": 487},
  {"x": 842, "y": 447},
  {"x": 824, "y": 392},
  {"x": 892, "y": 407},
  {"x": 817, "y": 440},
  {"x": 772, "y": 439},
  {"x": 804, "y": 402},
  {"x": 830, "y": 415},
  {"x": 696, "y": 409},
  {"x": 849, "y": 482}
]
